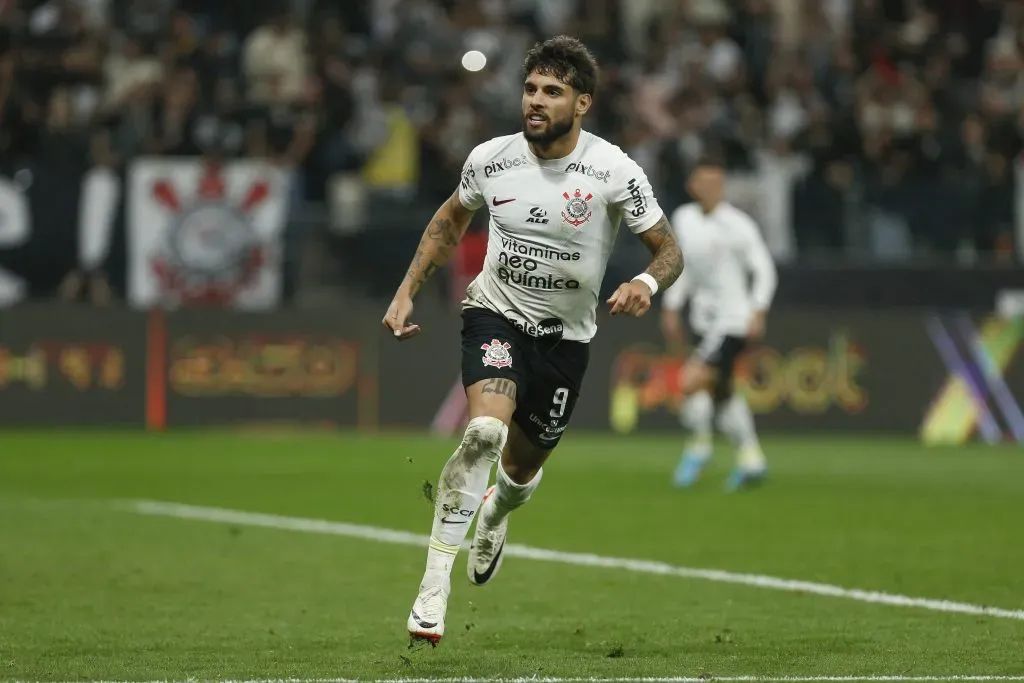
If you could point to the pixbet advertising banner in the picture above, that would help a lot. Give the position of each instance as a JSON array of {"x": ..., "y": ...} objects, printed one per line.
[
  {"x": 816, "y": 370},
  {"x": 947, "y": 378},
  {"x": 200, "y": 233},
  {"x": 950, "y": 378}
]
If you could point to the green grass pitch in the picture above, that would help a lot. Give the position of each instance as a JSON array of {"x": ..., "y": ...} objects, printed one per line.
[{"x": 91, "y": 591}]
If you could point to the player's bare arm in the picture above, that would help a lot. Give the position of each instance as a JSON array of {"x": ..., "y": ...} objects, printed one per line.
[
  {"x": 439, "y": 240},
  {"x": 634, "y": 297},
  {"x": 667, "y": 264},
  {"x": 435, "y": 249}
]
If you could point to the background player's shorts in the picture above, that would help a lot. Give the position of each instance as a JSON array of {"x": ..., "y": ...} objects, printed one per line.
[
  {"x": 548, "y": 372},
  {"x": 721, "y": 353}
]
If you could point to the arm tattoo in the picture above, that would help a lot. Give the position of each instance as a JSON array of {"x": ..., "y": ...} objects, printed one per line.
[
  {"x": 667, "y": 264},
  {"x": 502, "y": 387},
  {"x": 435, "y": 249}
]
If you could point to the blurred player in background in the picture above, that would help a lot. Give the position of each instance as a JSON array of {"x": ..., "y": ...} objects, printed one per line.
[
  {"x": 556, "y": 195},
  {"x": 723, "y": 248}
]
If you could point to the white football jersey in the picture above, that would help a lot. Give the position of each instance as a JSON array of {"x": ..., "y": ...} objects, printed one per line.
[
  {"x": 553, "y": 223},
  {"x": 722, "y": 249}
]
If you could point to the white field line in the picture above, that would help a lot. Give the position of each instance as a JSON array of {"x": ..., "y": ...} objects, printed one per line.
[
  {"x": 681, "y": 679},
  {"x": 369, "y": 533}
]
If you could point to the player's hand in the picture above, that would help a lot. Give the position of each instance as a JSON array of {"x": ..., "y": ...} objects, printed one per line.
[
  {"x": 632, "y": 298},
  {"x": 397, "y": 318},
  {"x": 757, "y": 327}
]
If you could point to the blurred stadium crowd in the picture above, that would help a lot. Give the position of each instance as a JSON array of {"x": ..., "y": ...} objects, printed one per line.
[{"x": 897, "y": 122}]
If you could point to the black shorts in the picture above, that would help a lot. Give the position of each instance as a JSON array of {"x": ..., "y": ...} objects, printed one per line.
[
  {"x": 721, "y": 353},
  {"x": 548, "y": 371}
]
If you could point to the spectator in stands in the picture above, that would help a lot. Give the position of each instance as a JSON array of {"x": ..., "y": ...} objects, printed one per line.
[
  {"x": 889, "y": 127},
  {"x": 275, "y": 61},
  {"x": 334, "y": 54}
]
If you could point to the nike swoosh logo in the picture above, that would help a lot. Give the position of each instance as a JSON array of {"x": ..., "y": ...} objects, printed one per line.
[
  {"x": 454, "y": 521},
  {"x": 483, "y": 578},
  {"x": 496, "y": 202},
  {"x": 423, "y": 624}
]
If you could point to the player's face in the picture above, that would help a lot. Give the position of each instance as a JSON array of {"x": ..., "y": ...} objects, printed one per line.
[
  {"x": 550, "y": 108},
  {"x": 707, "y": 184}
]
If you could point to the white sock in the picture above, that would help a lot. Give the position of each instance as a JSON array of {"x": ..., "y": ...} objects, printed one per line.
[
  {"x": 508, "y": 495},
  {"x": 697, "y": 415},
  {"x": 736, "y": 421},
  {"x": 459, "y": 491}
]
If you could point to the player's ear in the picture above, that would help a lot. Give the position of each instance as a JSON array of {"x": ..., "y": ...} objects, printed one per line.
[{"x": 583, "y": 103}]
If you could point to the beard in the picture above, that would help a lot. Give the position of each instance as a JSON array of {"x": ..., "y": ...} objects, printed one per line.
[{"x": 556, "y": 130}]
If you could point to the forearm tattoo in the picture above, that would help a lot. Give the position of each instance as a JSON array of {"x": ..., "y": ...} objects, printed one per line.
[
  {"x": 667, "y": 264},
  {"x": 435, "y": 249}
]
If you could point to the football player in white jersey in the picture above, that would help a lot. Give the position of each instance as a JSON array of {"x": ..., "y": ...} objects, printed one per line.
[
  {"x": 724, "y": 248},
  {"x": 556, "y": 196}
]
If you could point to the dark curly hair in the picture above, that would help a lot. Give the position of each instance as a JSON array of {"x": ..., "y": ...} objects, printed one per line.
[{"x": 566, "y": 59}]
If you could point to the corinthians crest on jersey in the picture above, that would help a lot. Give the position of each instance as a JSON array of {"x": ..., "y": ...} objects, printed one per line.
[{"x": 577, "y": 211}]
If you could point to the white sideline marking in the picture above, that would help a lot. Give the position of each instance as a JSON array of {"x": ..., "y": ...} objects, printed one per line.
[
  {"x": 683, "y": 679},
  {"x": 369, "y": 533}
]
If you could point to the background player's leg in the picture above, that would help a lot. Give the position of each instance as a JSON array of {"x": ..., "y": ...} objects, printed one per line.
[
  {"x": 697, "y": 414},
  {"x": 459, "y": 492},
  {"x": 737, "y": 422}
]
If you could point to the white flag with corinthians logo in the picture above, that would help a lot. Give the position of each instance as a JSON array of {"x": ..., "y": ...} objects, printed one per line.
[{"x": 205, "y": 235}]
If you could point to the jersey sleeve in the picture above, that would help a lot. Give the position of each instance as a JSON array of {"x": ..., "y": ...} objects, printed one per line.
[
  {"x": 635, "y": 197},
  {"x": 470, "y": 194},
  {"x": 760, "y": 263}
]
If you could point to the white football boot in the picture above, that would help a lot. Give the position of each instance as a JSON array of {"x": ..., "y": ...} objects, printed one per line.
[
  {"x": 426, "y": 620},
  {"x": 487, "y": 551}
]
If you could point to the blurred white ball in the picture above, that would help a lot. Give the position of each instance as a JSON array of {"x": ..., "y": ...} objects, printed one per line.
[{"x": 474, "y": 60}]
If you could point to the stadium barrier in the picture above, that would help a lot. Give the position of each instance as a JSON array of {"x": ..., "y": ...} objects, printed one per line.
[{"x": 946, "y": 377}]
